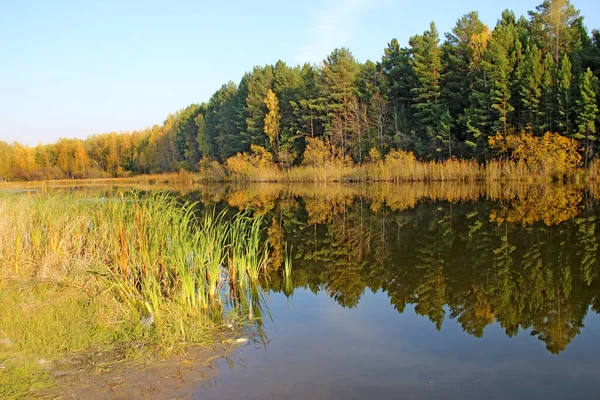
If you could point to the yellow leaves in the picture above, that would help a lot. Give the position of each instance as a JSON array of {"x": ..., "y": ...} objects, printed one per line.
[
  {"x": 400, "y": 156},
  {"x": 550, "y": 154},
  {"x": 272, "y": 119},
  {"x": 374, "y": 155},
  {"x": 317, "y": 152},
  {"x": 257, "y": 162},
  {"x": 547, "y": 204},
  {"x": 478, "y": 46},
  {"x": 277, "y": 243},
  {"x": 261, "y": 156}
]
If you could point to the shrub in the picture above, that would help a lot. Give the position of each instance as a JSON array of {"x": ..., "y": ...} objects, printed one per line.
[{"x": 551, "y": 154}]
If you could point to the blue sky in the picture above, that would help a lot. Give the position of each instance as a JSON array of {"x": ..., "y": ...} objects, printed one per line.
[{"x": 74, "y": 68}]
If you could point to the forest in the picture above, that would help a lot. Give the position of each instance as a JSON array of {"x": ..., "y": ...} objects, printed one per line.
[{"x": 440, "y": 99}]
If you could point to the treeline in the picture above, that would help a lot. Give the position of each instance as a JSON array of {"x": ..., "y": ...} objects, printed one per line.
[{"x": 437, "y": 99}]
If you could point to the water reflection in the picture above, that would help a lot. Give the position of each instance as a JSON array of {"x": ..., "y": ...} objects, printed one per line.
[{"x": 524, "y": 257}]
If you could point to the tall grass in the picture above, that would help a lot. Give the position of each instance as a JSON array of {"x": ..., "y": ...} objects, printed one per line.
[
  {"x": 78, "y": 272},
  {"x": 391, "y": 169}
]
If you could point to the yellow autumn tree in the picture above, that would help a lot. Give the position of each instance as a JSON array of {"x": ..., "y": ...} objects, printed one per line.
[
  {"x": 272, "y": 120},
  {"x": 478, "y": 46},
  {"x": 82, "y": 160}
]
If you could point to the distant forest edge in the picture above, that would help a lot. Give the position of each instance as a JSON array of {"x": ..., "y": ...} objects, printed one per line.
[{"x": 521, "y": 98}]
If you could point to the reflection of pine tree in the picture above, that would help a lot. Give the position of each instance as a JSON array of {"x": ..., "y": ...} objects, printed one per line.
[
  {"x": 503, "y": 291},
  {"x": 557, "y": 322},
  {"x": 469, "y": 271},
  {"x": 433, "y": 248},
  {"x": 586, "y": 238},
  {"x": 345, "y": 283}
]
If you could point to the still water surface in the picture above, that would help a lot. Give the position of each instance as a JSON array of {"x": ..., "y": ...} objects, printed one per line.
[
  {"x": 420, "y": 292},
  {"x": 423, "y": 292}
]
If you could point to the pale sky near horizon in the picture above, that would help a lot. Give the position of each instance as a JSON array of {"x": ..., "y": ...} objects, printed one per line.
[{"x": 72, "y": 68}]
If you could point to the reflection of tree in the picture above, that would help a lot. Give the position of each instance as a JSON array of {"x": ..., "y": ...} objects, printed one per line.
[
  {"x": 552, "y": 205},
  {"x": 345, "y": 284},
  {"x": 277, "y": 242},
  {"x": 525, "y": 260},
  {"x": 586, "y": 236},
  {"x": 503, "y": 289},
  {"x": 431, "y": 252},
  {"x": 557, "y": 322}
]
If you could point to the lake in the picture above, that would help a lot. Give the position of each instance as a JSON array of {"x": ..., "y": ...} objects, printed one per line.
[
  {"x": 421, "y": 291},
  {"x": 418, "y": 291}
]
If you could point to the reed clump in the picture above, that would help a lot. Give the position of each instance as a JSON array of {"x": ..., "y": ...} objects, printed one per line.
[{"x": 80, "y": 272}]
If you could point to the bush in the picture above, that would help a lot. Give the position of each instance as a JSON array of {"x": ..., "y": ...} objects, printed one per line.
[
  {"x": 552, "y": 154},
  {"x": 257, "y": 165}
]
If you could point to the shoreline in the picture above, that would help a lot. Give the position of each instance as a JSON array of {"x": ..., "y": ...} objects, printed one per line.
[{"x": 96, "y": 376}]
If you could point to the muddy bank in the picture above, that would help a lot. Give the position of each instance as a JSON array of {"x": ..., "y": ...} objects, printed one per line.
[{"x": 102, "y": 376}]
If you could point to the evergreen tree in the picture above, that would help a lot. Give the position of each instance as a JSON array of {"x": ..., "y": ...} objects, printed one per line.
[
  {"x": 398, "y": 81},
  {"x": 427, "y": 67},
  {"x": 517, "y": 85},
  {"x": 186, "y": 134},
  {"x": 221, "y": 122},
  {"x": 531, "y": 88},
  {"x": 258, "y": 83},
  {"x": 287, "y": 85},
  {"x": 499, "y": 63},
  {"x": 548, "y": 87},
  {"x": 587, "y": 111},
  {"x": 461, "y": 49},
  {"x": 309, "y": 108},
  {"x": 339, "y": 75},
  {"x": 204, "y": 147},
  {"x": 477, "y": 116},
  {"x": 564, "y": 79}
]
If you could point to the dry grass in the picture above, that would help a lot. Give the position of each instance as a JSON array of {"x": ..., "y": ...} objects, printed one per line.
[{"x": 392, "y": 169}]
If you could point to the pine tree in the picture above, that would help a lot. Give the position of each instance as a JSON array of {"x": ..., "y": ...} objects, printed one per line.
[
  {"x": 287, "y": 85},
  {"x": 427, "y": 67},
  {"x": 477, "y": 115},
  {"x": 548, "y": 87},
  {"x": 339, "y": 75},
  {"x": 564, "y": 93},
  {"x": 202, "y": 139},
  {"x": 398, "y": 80},
  {"x": 499, "y": 63},
  {"x": 517, "y": 82},
  {"x": 258, "y": 82},
  {"x": 186, "y": 133},
  {"x": 308, "y": 106},
  {"x": 445, "y": 133},
  {"x": 587, "y": 111},
  {"x": 463, "y": 46},
  {"x": 222, "y": 122},
  {"x": 531, "y": 88}
]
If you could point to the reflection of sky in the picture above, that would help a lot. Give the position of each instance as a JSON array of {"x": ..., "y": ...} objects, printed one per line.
[{"x": 320, "y": 350}]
